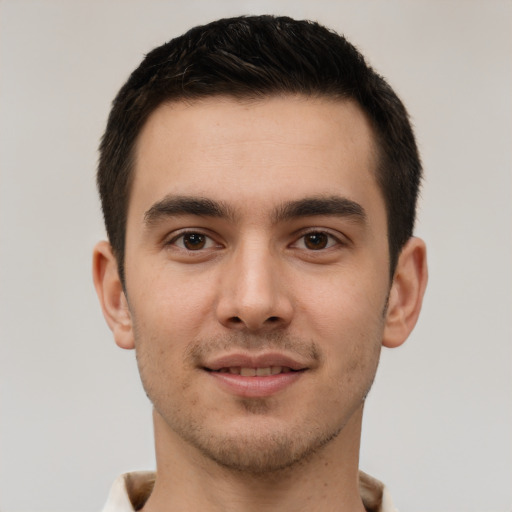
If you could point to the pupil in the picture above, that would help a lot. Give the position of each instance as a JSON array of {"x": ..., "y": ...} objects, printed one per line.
[
  {"x": 316, "y": 241},
  {"x": 194, "y": 241}
]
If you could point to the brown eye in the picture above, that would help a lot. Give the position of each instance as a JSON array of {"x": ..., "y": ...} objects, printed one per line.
[
  {"x": 188, "y": 242},
  {"x": 194, "y": 241},
  {"x": 316, "y": 241}
]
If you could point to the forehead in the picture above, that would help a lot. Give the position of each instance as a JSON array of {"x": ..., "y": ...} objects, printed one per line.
[{"x": 254, "y": 153}]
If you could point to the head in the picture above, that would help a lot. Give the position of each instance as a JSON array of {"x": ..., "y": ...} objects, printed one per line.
[
  {"x": 251, "y": 58},
  {"x": 259, "y": 185}
]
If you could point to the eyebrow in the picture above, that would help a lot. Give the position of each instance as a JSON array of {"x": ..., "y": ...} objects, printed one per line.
[
  {"x": 318, "y": 206},
  {"x": 175, "y": 206}
]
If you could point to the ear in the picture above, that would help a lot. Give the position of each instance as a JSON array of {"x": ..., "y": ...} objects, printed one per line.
[
  {"x": 111, "y": 295},
  {"x": 406, "y": 294}
]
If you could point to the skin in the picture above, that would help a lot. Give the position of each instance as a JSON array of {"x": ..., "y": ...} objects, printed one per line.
[{"x": 285, "y": 254}]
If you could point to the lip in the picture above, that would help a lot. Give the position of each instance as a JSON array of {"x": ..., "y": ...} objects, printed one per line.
[
  {"x": 255, "y": 361},
  {"x": 255, "y": 387}
]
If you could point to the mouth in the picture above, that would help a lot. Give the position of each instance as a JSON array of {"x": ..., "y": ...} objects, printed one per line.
[
  {"x": 250, "y": 376},
  {"x": 254, "y": 372}
]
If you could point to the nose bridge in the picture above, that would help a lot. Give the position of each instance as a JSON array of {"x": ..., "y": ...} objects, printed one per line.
[
  {"x": 251, "y": 294},
  {"x": 255, "y": 275}
]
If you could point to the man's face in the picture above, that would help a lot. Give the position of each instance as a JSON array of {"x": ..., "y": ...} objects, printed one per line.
[{"x": 257, "y": 274}]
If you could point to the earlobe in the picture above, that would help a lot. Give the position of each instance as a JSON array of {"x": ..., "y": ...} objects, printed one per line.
[
  {"x": 111, "y": 295},
  {"x": 406, "y": 294}
]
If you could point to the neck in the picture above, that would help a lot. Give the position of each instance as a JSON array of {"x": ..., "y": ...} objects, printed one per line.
[{"x": 187, "y": 480}]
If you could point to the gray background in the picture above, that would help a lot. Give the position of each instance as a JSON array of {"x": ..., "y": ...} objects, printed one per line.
[{"x": 73, "y": 416}]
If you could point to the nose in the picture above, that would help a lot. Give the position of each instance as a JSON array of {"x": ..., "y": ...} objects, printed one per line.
[{"x": 253, "y": 296}]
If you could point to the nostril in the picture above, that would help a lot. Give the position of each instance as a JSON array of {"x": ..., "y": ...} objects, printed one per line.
[{"x": 254, "y": 322}]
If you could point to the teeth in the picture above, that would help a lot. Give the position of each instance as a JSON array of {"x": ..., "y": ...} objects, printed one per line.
[{"x": 255, "y": 372}]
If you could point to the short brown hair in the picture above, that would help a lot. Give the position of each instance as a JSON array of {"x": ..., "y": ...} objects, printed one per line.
[{"x": 252, "y": 57}]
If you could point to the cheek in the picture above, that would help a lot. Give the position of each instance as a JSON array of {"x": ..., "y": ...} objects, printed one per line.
[
  {"x": 350, "y": 302},
  {"x": 347, "y": 318},
  {"x": 167, "y": 314},
  {"x": 170, "y": 306}
]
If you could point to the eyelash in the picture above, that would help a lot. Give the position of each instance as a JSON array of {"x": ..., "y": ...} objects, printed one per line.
[
  {"x": 173, "y": 241},
  {"x": 330, "y": 239}
]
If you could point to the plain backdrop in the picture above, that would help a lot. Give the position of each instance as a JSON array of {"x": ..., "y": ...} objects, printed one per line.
[{"x": 438, "y": 422}]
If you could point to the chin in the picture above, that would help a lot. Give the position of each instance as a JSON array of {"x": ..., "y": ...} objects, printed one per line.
[{"x": 261, "y": 448}]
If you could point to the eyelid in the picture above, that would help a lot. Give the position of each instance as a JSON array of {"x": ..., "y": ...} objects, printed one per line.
[
  {"x": 339, "y": 238},
  {"x": 176, "y": 235}
]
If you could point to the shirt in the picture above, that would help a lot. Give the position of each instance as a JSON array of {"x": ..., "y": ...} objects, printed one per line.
[{"x": 131, "y": 490}]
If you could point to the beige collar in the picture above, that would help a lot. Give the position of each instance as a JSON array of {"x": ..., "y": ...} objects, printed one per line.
[{"x": 131, "y": 490}]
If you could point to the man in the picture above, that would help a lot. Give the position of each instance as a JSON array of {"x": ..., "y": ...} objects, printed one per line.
[{"x": 258, "y": 183}]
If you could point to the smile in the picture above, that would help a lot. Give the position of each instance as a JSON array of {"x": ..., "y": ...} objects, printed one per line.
[
  {"x": 246, "y": 378},
  {"x": 255, "y": 372},
  {"x": 260, "y": 375}
]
